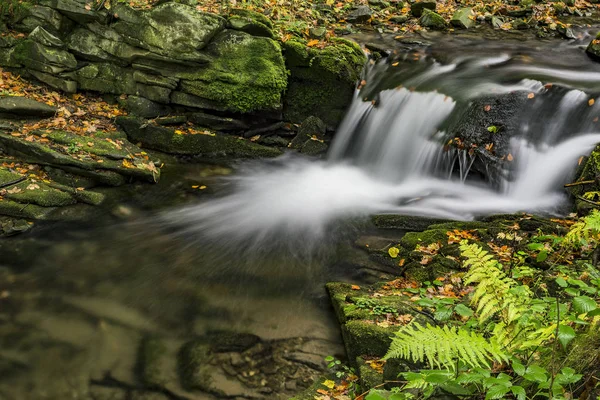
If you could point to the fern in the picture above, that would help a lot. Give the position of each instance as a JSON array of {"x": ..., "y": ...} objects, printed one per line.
[
  {"x": 443, "y": 346},
  {"x": 584, "y": 230},
  {"x": 495, "y": 291}
]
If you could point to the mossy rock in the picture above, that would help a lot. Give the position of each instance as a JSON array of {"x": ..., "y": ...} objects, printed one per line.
[
  {"x": 432, "y": 20},
  {"x": 210, "y": 146},
  {"x": 365, "y": 338},
  {"x": 250, "y": 22},
  {"x": 593, "y": 49},
  {"x": 413, "y": 239},
  {"x": 39, "y": 193},
  {"x": 89, "y": 156},
  {"x": 42, "y": 58},
  {"x": 369, "y": 378},
  {"x": 322, "y": 81},
  {"x": 247, "y": 73},
  {"x": 589, "y": 171},
  {"x": 404, "y": 222}
]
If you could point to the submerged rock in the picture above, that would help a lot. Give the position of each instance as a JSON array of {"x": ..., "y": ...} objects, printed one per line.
[{"x": 593, "y": 49}]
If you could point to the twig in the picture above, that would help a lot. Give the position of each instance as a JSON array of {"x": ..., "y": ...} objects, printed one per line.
[
  {"x": 588, "y": 201},
  {"x": 579, "y": 183}
]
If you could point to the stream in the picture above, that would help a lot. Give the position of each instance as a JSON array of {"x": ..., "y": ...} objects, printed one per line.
[{"x": 240, "y": 267}]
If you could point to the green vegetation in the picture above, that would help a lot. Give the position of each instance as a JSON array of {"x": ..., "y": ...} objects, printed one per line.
[{"x": 516, "y": 336}]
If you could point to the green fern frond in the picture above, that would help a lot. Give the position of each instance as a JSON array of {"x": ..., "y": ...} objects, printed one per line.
[
  {"x": 493, "y": 291},
  {"x": 442, "y": 347},
  {"x": 584, "y": 229}
]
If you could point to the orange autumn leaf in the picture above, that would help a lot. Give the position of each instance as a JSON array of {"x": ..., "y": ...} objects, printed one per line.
[
  {"x": 530, "y": 96},
  {"x": 591, "y": 102},
  {"x": 313, "y": 43},
  {"x": 355, "y": 287}
]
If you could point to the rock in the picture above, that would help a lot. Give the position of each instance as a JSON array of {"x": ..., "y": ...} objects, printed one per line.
[
  {"x": 379, "y": 4},
  {"x": 43, "y": 37},
  {"x": 497, "y": 22},
  {"x": 11, "y": 226},
  {"x": 322, "y": 81},
  {"x": 593, "y": 49},
  {"x": 519, "y": 12},
  {"x": 399, "y": 19},
  {"x": 520, "y": 24},
  {"x": 65, "y": 85},
  {"x": 36, "y": 15},
  {"x": 432, "y": 20},
  {"x": 199, "y": 374},
  {"x": 317, "y": 33},
  {"x": 247, "y": 73},
  {"x": 23, "y": 107},
  {"x": 566, "y": 32},
  {"x": 310, "y": 127},
  {"x": 208, "y": 145},
  {"x": 158, "y": 363},
  {"x": 106, "y": 78},
  {"x": 250, "y": 22},
  {"x": 314, "y": 147},
  {"x": 38, "y": 57},
  {"x": 225, "y": 342},
  {"x": 463, "y": 18},
  {"x": 360, "y": 14},
  {"x": 92, "y": 156},
  {"x": 217, "y": 123},
  {"x": 144, "y": 108},
  {"x": 417, "y": 7},
  {"x": 77, "y": 10},
  {"x": 154, "y": 29},
  {"x": 404, "y": 222}
]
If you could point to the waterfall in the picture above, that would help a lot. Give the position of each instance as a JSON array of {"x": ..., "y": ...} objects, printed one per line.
[{"x": 391, "y": 155}]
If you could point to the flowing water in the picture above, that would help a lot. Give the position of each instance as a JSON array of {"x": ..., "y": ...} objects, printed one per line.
[{"x": 253, "y": 255}]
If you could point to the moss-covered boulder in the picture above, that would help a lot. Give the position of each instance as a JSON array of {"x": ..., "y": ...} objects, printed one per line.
[
  {"x": 22, "y": 107},
  {"x": 36, "y": 56},
  {"x": 433, "y": 20},
  {"x": 416, "y": 8},
  {"x": 322, "y": 81},
  {"x": 171, "y": 29},
  {"x": 366, "y": 330},
  {"x": 203, "y": 144}
]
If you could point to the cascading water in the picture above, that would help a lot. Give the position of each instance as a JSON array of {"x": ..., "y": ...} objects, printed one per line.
[{"x": 390, "y": 153}]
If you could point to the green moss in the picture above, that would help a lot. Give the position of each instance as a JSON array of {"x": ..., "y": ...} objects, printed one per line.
[
  {"x": 322, "y": 81},
  {"x": 151, "y": 351},
  {"x": 413, "y": 239},
  {"x": 404, "y": 222},
  {"x": 19, "y": 210},
  {"x": 589, "y": 169},
  {"x": 40, "y": 194},
  {"x": 364, "y": 338},
  {"x": 369, "y": 378},
  {"x": 12, "y": 11},
  {"x": 247, "y": 73},
  {"x": 193, "y": 364}
]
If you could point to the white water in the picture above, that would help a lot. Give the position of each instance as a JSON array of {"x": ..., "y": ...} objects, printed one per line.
[{"x": 389, "y": 158}]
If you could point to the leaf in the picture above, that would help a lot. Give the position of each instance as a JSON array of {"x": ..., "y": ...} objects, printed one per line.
[
  {"x": 329, "y": 384},
  {"x": 519, "y": 392},
  {"x": 393, "y": 252},
  {"x": 565, "y": 335},
  {"x": 313, "y": 43},
  {"x": 591, "y": 102},
  {"x": 542, "y": 256},
  {"x": 463, "y": 310},
  {"x": 497, "y": 392},
  {"x": 518, "y": 368},
  {"x": 561, "y": 282},
  {"x": 355, "y": 287},
  {"x": 492, "y": 129},
  {"x": 530, "y": 95},
  {"x": 583, "y": 304},
  {"x": 374, "y": 395}
]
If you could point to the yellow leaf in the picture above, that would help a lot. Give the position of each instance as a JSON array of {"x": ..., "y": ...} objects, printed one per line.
[
  {"x": 355, "y": 287},
  {"x": 530, "y": 96},
  {"x": 393, "y": 252},
  {"x": 591, "y": 102},
  {"x": 313, "y": 42},
  {"x": 329, "y": 383}
]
